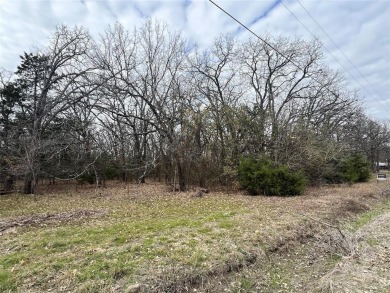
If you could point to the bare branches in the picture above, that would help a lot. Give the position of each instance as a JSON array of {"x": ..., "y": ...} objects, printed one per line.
[{"x": 139, "y": 102}]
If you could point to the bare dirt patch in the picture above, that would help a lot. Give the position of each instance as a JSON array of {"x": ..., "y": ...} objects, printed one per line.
[{"x": 37, "y": 220}]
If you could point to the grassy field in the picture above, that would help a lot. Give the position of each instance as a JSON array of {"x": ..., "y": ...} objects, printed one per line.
[{"x": 144, "y": 238}]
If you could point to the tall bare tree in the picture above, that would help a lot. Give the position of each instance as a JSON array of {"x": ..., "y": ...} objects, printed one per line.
[
  {"x": 144, "y": 69},
  {"x": 50, "y": 81}
]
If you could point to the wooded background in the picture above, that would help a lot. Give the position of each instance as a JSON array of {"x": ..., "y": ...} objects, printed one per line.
[{"x": 145, "y": 101}]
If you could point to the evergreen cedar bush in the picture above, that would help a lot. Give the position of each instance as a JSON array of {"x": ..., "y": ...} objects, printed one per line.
[
  {"x": 263, "y": 177},
  {"x": 350, "y": 169},
  {"x": 109, "y": 172}
]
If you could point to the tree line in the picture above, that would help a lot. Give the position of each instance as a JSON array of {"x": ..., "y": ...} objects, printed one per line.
[{"x": 145, "y": 101}]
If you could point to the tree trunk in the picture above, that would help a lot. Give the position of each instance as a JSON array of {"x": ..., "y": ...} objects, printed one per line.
[
  {"x": 124, "y": 176},
  {"x": 28, "y": 187},
  {"x": 9, "y": 183},
  {"x": 181, "y": 177}
]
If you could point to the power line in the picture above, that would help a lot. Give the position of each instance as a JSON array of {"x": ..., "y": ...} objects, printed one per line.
[
  {"x": 363, "y": 87},
  {"x": 283, "y": 55},
  {"x": 334, "y": 43},
  {"x": 296, "y": 17},
  {"x": 253, "y": 33},
  {"x": 267, "y": 43}
]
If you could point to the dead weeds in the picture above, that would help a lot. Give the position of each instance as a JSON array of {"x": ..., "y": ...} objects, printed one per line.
[
  {"x": 353, "y": 206},
  {"x": 296, "y": 259},
  {"x": 176, "y": 243},
  {"x": 368, "y": 269},
  {"x": 38, "y": 220}
]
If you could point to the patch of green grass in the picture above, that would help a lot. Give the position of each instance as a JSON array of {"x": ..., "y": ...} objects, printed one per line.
[
  {"x": 120, "y": 239},
  {"x": 60, "y": 264},
  {"x": 221, "y": 216},
  {"x": 7, "y": 261},
  {"x": 364, "y": 219},
  {"x": 373, "y": 241},
  {"x": 193, "y": 243},
  {"x": 105, "y": 250},
  {"x": 246, "y": 285},
  {"x": 279, "y": 279},
  {"x": 333, "y": 259},
  {"x": 7, "y": 282},
  {"x": 197, "y": 258},
  {"x": 368, "y": 216},
  {"x": 227, "y": 225},
  {"x": 105, "y": 268},
  {"x": 204, "y": 230},
  {"x": 148, "y": 242},
  {"x": 163, "y": 239}
]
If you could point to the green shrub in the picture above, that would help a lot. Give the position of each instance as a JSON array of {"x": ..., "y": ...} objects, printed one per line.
[
  {"x": 262, "y": 177},
  {"x": 332, "y": 172},
  {"x": 88, "y": 177},
  {"x": 351, "y": 169},
  {"x": 110, "y": 172},
  {"x": 355, "y": 169}
]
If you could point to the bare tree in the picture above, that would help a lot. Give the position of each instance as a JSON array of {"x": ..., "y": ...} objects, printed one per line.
[
  {"x": 144, "y": 70},
  {"x": 363, "y": 134},
  {"x": 217, "y": 81},
  {"x": 145, "y": 102},
  {"x": 292, "y": 87},
  {"x": 50, "y": 81}
]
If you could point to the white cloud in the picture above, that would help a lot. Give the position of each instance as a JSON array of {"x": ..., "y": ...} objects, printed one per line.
[
  {"x": 70, "y": 12},
  {"x": 360, "y": 29}
]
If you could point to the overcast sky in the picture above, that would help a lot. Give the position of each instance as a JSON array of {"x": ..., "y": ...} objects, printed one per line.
[{"x": 360, "y": 28}]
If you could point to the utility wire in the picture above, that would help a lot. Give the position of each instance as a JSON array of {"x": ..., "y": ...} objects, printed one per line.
[
  {"x": 296, "y": 17},
  {"x": 253, "y": 33},
  {"x": 267, "y": 43},
  {"x": 363, "y": 87},
  {"x": 334, "y": 43},
  {"x": 272, "y": 47}
]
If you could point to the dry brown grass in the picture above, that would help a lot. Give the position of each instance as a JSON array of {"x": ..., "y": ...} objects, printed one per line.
[
  {"x": 157, "y": 240},
  {"x": 303, "y": 254},
  {"x": 37, "y": 220},
  {"x": 368, "y": 269}
]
